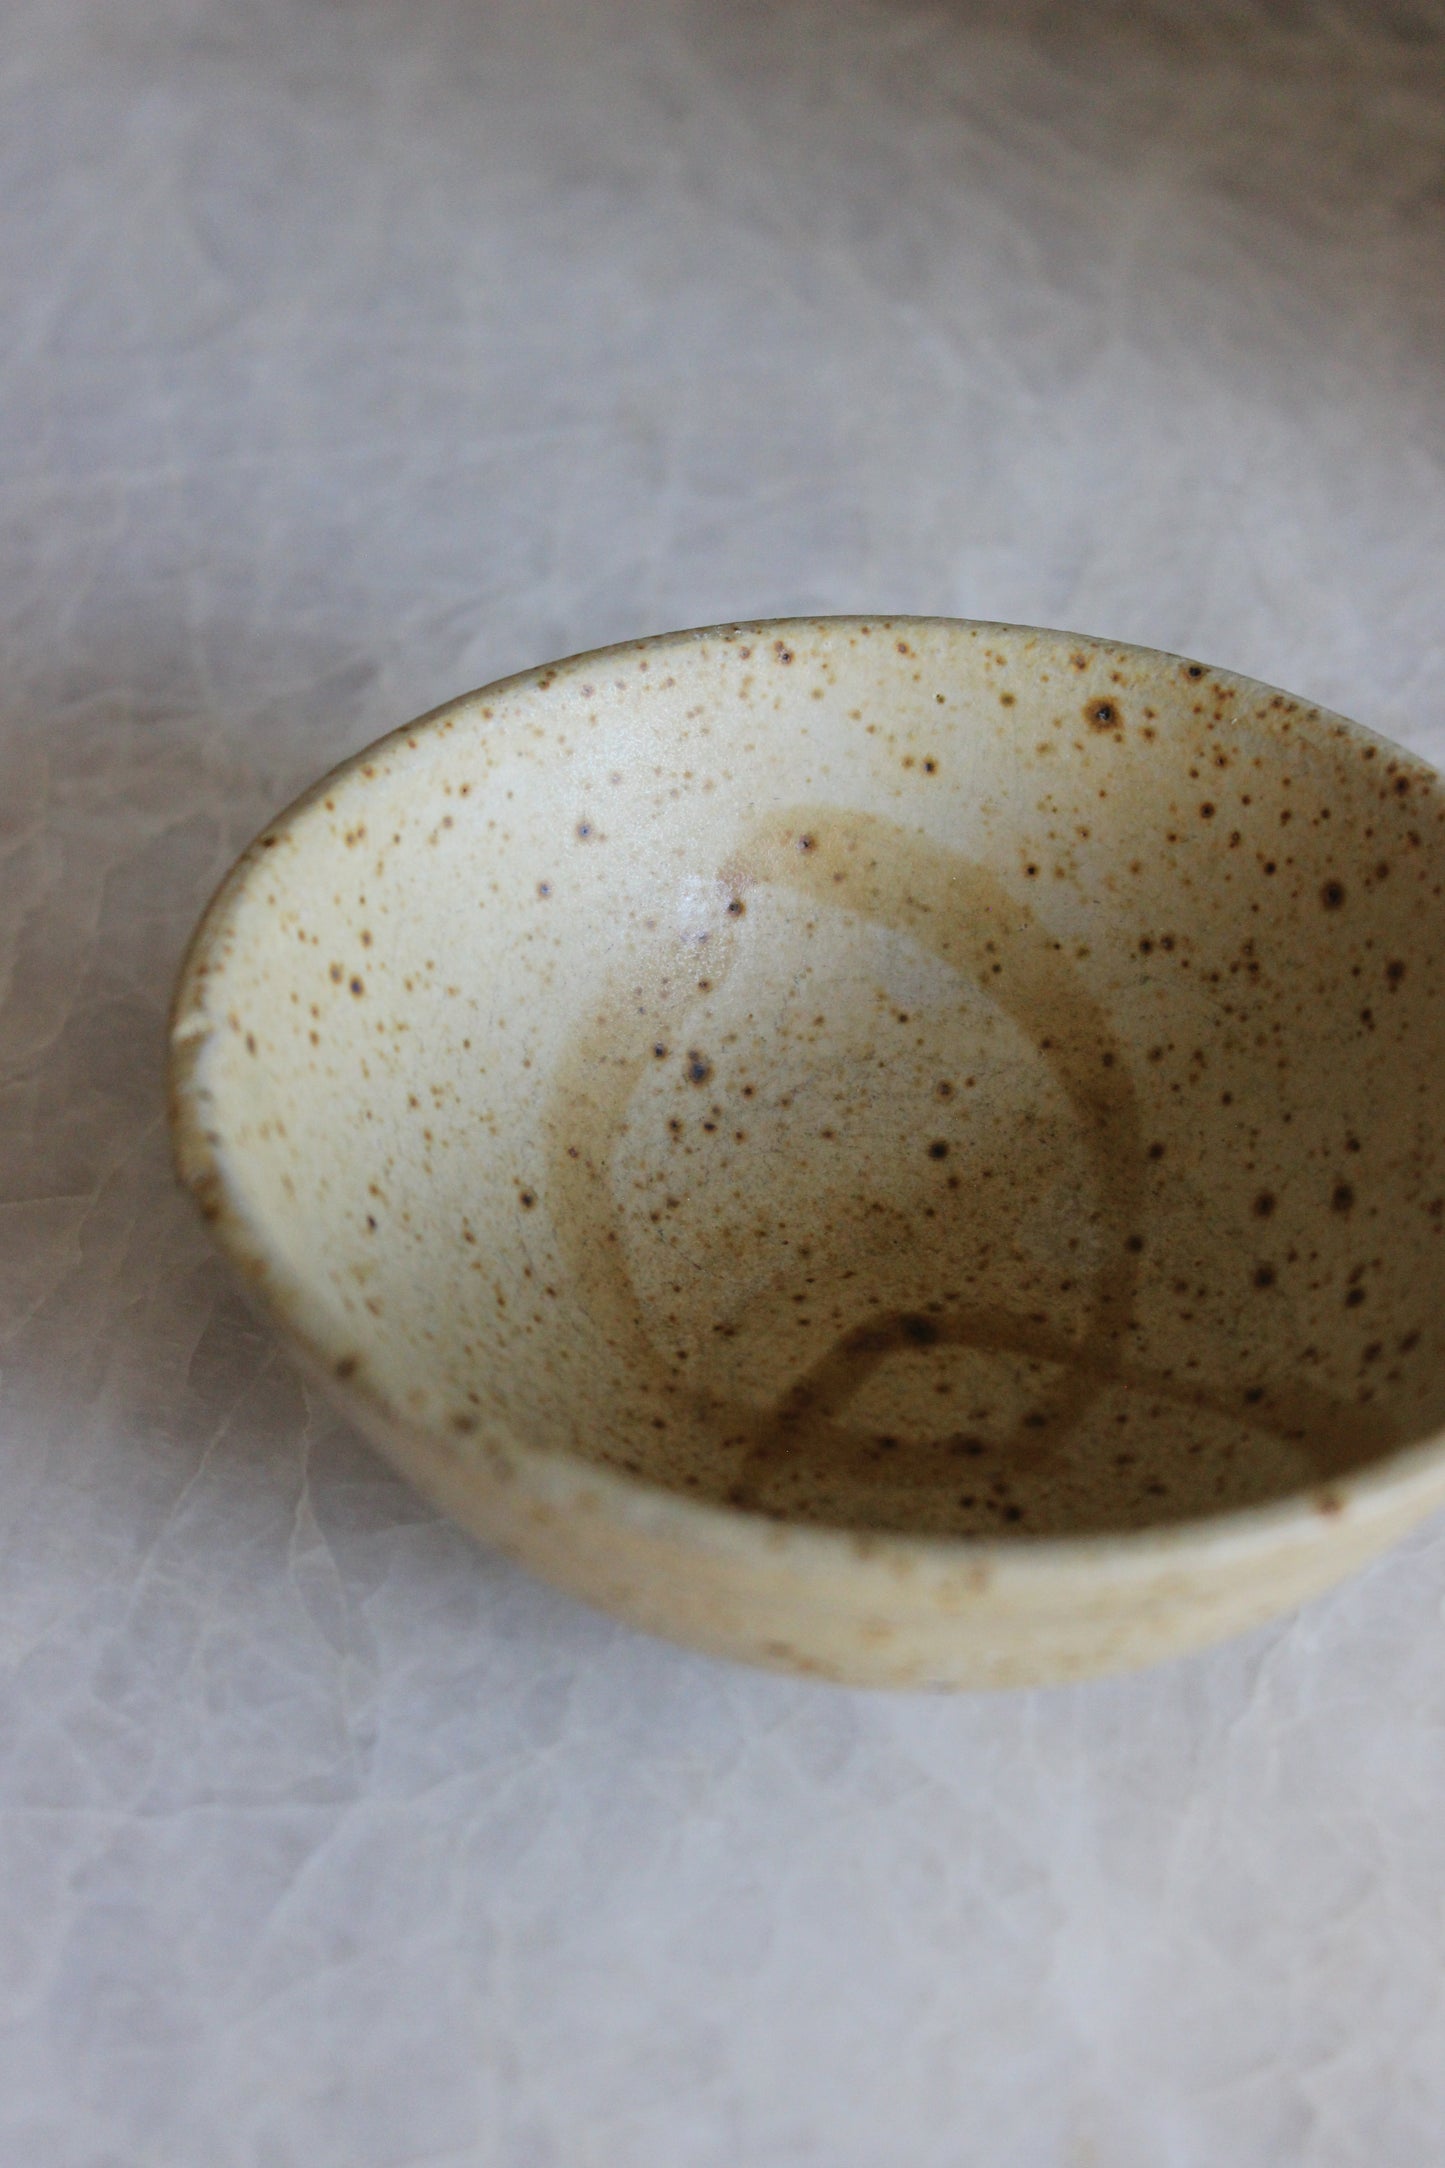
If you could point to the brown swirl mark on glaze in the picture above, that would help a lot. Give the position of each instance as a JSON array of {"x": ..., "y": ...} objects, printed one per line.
[{"x": 966, "y": 917}]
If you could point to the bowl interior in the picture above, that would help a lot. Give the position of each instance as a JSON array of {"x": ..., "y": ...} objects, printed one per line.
[{"x": 907, "y": 1076}]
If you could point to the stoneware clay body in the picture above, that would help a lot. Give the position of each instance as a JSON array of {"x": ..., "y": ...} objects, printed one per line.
[{"x": 899, "y": 1149}]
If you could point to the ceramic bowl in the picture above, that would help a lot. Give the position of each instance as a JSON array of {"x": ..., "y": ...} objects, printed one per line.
[{"x": 898, "y": 1149}]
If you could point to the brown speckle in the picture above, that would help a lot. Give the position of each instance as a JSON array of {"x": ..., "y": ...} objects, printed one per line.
[{"x": 1332, "y": 895}]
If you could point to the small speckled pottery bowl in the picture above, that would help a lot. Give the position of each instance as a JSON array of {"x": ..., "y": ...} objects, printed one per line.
[{"x": 898, "y": 1149}]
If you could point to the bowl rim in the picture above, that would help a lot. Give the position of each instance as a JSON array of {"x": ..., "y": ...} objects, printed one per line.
[{"x": 1403, "y": 1484}]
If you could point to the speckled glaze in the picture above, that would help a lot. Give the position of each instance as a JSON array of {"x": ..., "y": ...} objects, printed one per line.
[{"x": 899, "y": 1149}]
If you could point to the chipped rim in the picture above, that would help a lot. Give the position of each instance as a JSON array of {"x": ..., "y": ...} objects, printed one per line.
[{"x": 1402, "y": 1486}]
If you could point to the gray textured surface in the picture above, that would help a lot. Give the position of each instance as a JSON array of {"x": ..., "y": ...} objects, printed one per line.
[{"x": 351, "y": 355}]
